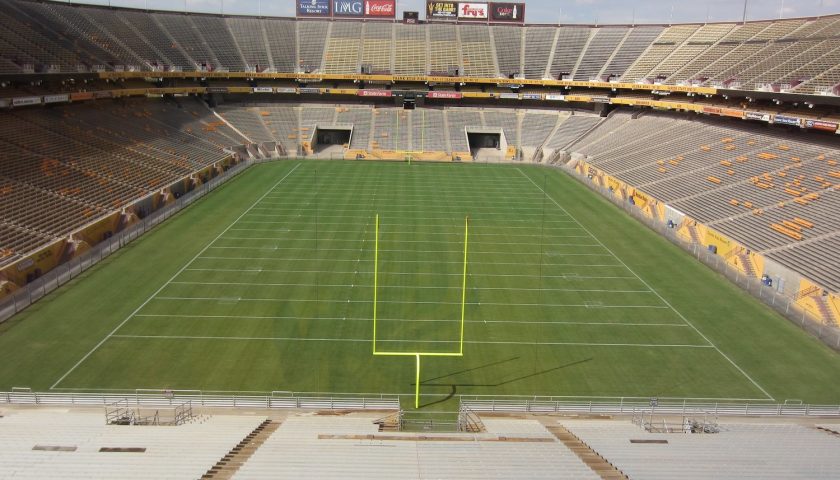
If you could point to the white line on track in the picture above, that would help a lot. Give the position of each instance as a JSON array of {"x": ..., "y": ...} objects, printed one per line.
[
  {"x": 744, "y": 373},
  {"x": 367, "y": 340},
  {"x": 197, "y": 255}
]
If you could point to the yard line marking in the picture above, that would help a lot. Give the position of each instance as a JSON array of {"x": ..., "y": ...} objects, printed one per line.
[
  {"x": 430, "y": 274},
  {"x": 292, "y": 215},
  {"x": 393, "y": 232},
  {"x": 310, "y": 248},
  {"x": 354, "y": 240},
  {"x": 422, "y": 287},
  {"x": 399, "y": 302},
  {"x": 410, "y": 320},
  {"x": 310, "y": 220},
  {"x": 440, "y": 262},
  {"x": 368, "y": 340},
  {"x": 651, "y": 289},
  {"x": 197, "y": 255}
]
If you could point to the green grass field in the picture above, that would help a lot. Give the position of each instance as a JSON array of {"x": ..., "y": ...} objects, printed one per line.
[{"x": 267, "y": 284}]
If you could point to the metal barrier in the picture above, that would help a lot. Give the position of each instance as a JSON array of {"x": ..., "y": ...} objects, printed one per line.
[
  {"x": 685, "y": 407},
  {"x": 61, "y": 274},
  {"x": 267, "y": 401}
]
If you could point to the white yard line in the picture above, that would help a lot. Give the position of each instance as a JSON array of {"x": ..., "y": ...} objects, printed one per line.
[
  {"x": 666, "y": 302},
  {"x": 197, "y": 255},
  {"x": 427, "y": 274},
  {"x": 408, "y": 320},
  {"x": 368, "y": 340},
  {"x": 399, "y": 302},
  {"x": 381, "y": 250},
  {"x": 437, "y": 262},
  {"x": 422, "y": 287}
]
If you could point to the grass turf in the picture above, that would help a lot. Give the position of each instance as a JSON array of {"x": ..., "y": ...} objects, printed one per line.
[{"x": 267, "y": 284}]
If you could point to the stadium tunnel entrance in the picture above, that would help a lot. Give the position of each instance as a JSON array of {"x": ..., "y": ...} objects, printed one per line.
[
  {"x": 332, "y": 139},
  {"x": 487, "y": 144}
]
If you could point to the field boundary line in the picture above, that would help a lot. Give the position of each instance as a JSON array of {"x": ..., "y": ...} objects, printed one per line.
[
  {"x": 197, "y": 255},
  {"x": 666, "y": 302}
]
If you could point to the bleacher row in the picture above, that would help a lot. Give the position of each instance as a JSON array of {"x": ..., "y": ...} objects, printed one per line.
[
  {"x": 802, "y": 55},
  {"x": 64, "y": 167},
  {"x": 395, "y": 129},
  {"x": 739, "y": 179}
]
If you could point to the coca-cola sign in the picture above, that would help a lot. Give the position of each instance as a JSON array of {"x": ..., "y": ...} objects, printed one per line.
[
  {"x": 507, "y": 12},
  {"x": 472, "y": 11},
  {"x": 381, "y": 8}
]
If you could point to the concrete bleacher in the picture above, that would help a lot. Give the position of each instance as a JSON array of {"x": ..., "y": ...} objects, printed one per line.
[
  {"x": 797, "y": 54},
  {"x": 45, "y": 444},
  {"x": 760, "y": 451},
  {"x": 352, "y": 447}
]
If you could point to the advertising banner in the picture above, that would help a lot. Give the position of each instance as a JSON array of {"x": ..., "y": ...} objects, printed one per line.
[
  {"x": 472, "y": 11},
  {"x": 762, "y": 117},
  {"x": 285, "y": 90},
  {"x": 555, "y": 98},
  {"x": 313, "y": 8},
  {"x": 821, "y": 125},
  {"x": 532, "y": 96},
  {"x": 56, "y": 98},
  {"x": 507, "y": 12},
  {"x": 784, "y": 120},
  {"x": 411, "y": 18},
  {"x": 509, "y": 96},
  {"x": 441, "y": 10},
  {"x": 731, "y": 112},
  {"x": 449, "y": 95},
  {"x": 601, "y": 99},
  {"x": 263, "y": 90},
  {"x": 81, "y": 96},
  {"x": 348, "y": 8},
  {"x": 381, "y": 8},
  {"x": 374, "y": 93},
  {"x": 217, "y": 89},
  {"x": 309, "y": 90},
  {"x": 22, "y": 101},
  {"x": 102, "y": 94},
  {"x": 712, "y": 110}
]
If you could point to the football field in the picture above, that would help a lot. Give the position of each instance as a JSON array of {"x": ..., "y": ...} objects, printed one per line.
[{"x": 269, "y": 284}]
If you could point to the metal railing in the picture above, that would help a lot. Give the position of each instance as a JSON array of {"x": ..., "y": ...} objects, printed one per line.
[
  {"x": 635, "y": 407},
  {"x": 264, "y": 401}
]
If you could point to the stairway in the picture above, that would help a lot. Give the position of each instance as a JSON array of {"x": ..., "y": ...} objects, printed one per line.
[
  {"x": 228, "y": 465},
  {"x": 591, "y": 458},
  {"x": 745, "y": 260},
  {"x": 825, "y": 313}
]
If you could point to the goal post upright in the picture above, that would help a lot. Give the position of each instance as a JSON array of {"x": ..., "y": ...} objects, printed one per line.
[{"x": 418, "y": 355}]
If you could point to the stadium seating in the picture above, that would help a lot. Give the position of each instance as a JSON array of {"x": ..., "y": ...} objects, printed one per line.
[
  {"x": 42, "y": 444},
  {"x": 794, "y": 54},
  {"x": 736, "y": 178},
  {"x": 738, "y": 451}
]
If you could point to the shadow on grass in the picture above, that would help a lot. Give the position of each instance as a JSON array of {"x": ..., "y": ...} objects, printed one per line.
[{"x": 453, "y": 387}]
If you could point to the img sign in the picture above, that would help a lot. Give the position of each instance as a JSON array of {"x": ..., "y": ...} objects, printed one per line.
[
  {"x": 348, "y": 8},
  {"x": 313, "y": 8},
  {"x": 472, "y": 11},
  {"x": 507, "y": 12}
]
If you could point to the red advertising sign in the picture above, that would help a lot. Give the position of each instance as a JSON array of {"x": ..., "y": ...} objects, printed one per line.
[
  {"x": 381, "y": 8},
  {"x": 449, "y": 95},
  {"x": 507, "y": 12},
  {"x": 821, "y": 125},
  {"x": 472, "y": 11},
  {"x": 374, "y": 93}
]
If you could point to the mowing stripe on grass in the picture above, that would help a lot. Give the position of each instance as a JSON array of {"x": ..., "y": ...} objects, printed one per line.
[
  {"x": 197, "y": 255},
  {"x": 741, "y": 370}
]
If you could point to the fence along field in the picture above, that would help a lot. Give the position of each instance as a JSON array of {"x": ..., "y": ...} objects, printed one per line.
[{"x": 565, "y": 297}]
